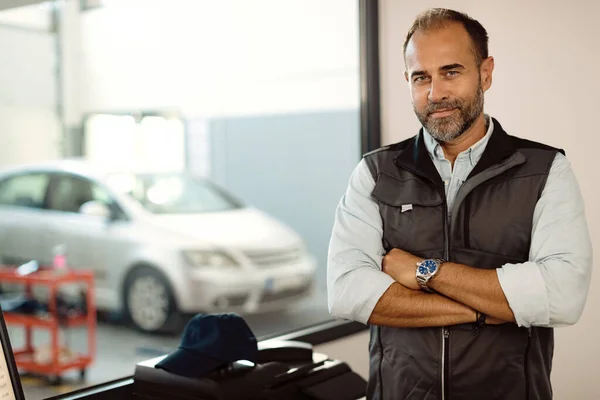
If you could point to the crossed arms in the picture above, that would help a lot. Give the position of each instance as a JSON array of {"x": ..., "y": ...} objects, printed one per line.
[
  {"x": 461, "y": 290},
  {"x": 549, "y": 290}
]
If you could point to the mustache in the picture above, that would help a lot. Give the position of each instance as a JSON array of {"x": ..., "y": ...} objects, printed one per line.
[{"x": 443, "y": 105}]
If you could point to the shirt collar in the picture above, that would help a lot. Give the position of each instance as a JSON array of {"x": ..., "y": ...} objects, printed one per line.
[{"x": 474, "y": 152}]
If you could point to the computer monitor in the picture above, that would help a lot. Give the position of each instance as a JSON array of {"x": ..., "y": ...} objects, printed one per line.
[{"x": 10, "y": 383}]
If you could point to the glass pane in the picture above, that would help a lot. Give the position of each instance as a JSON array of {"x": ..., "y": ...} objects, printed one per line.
[
  {"x": 198, "y": 150},
  {"x": 175, "y": 193}
]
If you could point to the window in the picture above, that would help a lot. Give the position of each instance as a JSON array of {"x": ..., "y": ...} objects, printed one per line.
[
  {"x": 24, "y": 190},
  {"x": 68, "y": 193},
  {"x": 174, "y": 193},
  {"x": 227, "y": 138},
  {"x": 153, "y": 141}
]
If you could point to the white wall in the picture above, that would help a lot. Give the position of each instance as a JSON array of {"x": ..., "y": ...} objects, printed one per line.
[
  {"x": 29, "y": 128},
  {"x": 223, "y": 57},
  {"x": 546, "y": 88}
]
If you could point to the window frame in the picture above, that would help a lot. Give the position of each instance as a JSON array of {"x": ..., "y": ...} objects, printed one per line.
[{"x": 370, "y": 114}]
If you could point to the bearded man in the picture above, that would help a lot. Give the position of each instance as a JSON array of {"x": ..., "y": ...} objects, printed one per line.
[{"x": 463, "y": 246}]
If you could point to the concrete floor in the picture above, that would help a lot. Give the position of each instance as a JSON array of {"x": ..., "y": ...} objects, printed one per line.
[{"x": 119, "y": 348}]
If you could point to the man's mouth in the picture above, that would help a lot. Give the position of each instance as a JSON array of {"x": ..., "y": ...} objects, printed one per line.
[{"x": 442, "y": 113}]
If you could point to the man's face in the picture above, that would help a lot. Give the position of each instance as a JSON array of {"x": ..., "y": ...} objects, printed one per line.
[{"x": 446, "y": 84}]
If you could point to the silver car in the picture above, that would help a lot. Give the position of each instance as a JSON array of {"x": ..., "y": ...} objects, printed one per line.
[{"x": 159, "y": 244}]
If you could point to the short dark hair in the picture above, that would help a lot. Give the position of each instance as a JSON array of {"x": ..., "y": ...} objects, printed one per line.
[{"x": 435, "y": 18}]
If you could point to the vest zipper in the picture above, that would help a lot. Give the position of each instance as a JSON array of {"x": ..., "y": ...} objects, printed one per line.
[
  {"x": 445, "y": 331},
  {"x": 445, "y": 336},
  {"x": 380, "y": 362},
  {"x": 530, "y": 334}
]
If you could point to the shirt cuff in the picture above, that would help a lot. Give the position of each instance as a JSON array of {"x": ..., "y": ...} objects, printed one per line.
[
  {"x": 377, "y": 287},
  {"x": 358, "y": 292},
  {"x": 525, "y": 290}
]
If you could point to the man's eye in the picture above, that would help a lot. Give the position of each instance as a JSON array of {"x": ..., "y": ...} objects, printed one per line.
[
  {"x": 420, "y": 79},
  {"x": 452, "y": 73}
]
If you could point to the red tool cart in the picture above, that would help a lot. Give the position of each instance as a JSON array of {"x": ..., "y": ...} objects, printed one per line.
[{"x": 51, "y": 320}]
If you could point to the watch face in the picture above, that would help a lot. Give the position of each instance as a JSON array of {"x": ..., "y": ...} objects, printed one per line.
[{"x": 427, "y": 267}]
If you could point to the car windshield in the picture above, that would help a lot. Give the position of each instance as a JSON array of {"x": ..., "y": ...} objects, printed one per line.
[{"x": 173, "y": 193}]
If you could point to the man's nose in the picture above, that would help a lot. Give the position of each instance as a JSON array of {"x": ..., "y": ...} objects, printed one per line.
[{"x": 437, "y": 91}]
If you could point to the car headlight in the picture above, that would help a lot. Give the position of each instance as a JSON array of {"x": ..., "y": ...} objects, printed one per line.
[{"x": 199, "y": 258}]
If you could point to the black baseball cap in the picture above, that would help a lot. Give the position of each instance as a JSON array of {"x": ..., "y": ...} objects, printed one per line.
[{"x": 211, "y": 341}]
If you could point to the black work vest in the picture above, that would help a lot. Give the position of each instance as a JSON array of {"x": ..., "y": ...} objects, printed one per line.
[{"x": 490, "y": 225}]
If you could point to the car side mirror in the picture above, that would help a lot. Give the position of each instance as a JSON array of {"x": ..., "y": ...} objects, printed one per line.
[{"x": 95, "y": 209}]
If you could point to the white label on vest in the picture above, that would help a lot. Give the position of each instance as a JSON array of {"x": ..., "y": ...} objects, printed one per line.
[{"x": 406, "y": 207}]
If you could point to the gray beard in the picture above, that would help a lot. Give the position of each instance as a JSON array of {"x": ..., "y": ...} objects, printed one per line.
[{"x": 450, "y": 128}]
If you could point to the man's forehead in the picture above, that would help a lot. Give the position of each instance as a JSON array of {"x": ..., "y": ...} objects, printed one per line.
[{"x": 435, "y": 48}]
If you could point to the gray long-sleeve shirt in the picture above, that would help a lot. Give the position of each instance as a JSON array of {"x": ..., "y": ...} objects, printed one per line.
[{"x": 548, "y": 290}]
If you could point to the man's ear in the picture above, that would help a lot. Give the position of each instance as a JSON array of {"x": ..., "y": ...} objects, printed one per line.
[
  {"x": 486, "y": 70},
  {"x": 406, "y": 75}
]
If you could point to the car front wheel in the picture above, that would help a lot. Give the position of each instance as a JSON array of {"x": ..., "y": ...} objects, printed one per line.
[{"x": 149, "y": 301}]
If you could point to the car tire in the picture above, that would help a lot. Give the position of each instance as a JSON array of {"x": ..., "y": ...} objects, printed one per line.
[{"x": 149, "y": 301}]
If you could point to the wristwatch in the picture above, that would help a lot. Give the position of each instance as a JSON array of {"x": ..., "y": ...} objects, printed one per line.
[{"x": 426, "y": 270}]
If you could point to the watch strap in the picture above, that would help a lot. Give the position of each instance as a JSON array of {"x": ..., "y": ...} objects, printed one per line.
[{"x": 423, "y": 284}]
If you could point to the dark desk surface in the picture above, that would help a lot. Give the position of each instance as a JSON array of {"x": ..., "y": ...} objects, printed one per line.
[
  {"x": 115, "y": 390},
  {"x": 122, "y": 389}
]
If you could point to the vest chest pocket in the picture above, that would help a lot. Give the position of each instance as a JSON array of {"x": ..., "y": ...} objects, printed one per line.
[
  {"x": 498, "y": 218},
  {"x": 412, "y": 214}
]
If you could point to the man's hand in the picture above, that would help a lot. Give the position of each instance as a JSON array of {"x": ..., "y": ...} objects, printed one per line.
[{"x": 402, "y": 266}]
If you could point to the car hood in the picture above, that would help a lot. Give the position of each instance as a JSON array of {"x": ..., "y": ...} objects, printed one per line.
[{"x": 242, "y": 229}]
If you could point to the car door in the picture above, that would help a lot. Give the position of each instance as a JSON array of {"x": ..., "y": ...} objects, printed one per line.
[
  {"x": 92, "y": 242},
  {"x": 22, "y": 217}
]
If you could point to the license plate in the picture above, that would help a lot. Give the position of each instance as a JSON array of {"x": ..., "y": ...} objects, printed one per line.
[{"x": 280, "y": 284}]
